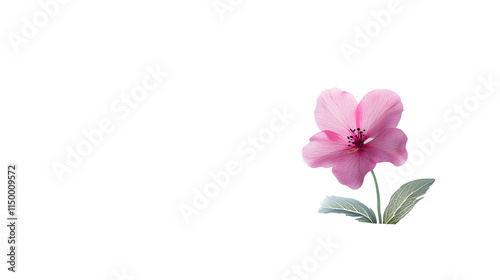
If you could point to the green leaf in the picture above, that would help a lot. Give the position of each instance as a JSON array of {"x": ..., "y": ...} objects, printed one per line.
[
  {"x": 403, "y": 200},
  {"x": 350, "y": 207}
]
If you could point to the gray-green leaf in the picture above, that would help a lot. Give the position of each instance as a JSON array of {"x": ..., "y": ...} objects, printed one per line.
[
  {"x": 350, "y": 207},
  {"x": 403, "y": 200}
]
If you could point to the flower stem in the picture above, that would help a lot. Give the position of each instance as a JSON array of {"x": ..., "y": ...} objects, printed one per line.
[{"x": 378, "y": 198}]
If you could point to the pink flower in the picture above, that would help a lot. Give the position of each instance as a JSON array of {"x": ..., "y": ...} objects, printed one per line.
[{"x": 355, "y": 137}]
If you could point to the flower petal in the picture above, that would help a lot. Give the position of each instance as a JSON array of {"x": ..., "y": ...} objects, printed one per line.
[
  {"x": 336, "y": 111},
  {"x": 378, "y": 110},
  {"x": 324, "y": 148},
  {"x": 350, "y": 169},
  {"x": 388, "y": 146}
]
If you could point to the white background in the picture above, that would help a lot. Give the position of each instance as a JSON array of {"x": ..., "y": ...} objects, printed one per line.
[{"x": 116, "y": 215}]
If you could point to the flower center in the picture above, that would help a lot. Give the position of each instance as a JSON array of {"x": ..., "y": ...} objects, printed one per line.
[{"x": 356, "y": 140}]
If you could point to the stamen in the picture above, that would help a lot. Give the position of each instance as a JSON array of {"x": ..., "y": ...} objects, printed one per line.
[{"x": 357, "y": 138}]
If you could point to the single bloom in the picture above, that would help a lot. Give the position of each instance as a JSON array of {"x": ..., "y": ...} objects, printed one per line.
[{"x": 355, "y": 137}]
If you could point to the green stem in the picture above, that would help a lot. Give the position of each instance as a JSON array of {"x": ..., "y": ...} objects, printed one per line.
[{"x": 378, "y": 198}]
